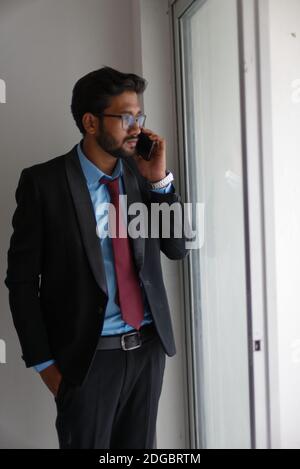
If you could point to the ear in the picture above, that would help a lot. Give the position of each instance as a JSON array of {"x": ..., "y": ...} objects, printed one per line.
[{"x": 90, "y": 123}]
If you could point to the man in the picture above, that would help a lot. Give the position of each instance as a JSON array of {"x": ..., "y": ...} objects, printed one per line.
[{"x": 91, "y": 310}]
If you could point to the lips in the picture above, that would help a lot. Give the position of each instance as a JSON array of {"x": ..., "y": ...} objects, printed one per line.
[{"x": 131, "y": 142}]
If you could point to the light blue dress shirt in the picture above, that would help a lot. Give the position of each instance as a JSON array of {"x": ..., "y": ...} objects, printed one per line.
[{"x": 99, "y": 193}]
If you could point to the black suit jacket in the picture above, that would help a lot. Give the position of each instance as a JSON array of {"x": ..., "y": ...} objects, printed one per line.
[{"x": 55, "y": 276}]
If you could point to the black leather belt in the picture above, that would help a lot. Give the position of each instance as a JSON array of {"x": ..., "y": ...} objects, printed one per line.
[{"x": 129, "y": 341}]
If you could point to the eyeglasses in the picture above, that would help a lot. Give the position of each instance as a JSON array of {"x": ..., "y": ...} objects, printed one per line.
[{"x": 128, "y": 120}]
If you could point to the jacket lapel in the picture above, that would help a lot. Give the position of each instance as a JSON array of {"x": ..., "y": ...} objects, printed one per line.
[{"x": 86, "y": 217}]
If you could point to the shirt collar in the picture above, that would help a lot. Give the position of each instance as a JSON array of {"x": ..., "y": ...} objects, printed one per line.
[{"x": 91, "y": 172}]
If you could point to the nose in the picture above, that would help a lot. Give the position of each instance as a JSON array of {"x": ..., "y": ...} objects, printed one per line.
[{"x": 135, "y": 128}]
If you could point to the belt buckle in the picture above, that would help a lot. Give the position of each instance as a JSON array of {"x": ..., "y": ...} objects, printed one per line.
[{"x": 123, "y": 343}]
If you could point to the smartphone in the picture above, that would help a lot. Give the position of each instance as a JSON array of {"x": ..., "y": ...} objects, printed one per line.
[{"x": 144, "y": 146}]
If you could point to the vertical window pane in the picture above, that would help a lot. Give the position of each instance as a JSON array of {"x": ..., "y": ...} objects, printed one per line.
[{"x": 210, "y": 71}]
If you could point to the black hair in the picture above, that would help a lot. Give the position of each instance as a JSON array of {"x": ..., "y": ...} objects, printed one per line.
[{"x": 93, "y": 92}]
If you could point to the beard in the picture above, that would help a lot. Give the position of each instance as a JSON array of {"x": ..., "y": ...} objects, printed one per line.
[{"x": 110, "y": 145}]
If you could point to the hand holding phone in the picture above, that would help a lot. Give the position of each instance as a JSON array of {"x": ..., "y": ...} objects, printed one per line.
[{"x": 150, "y": 155}]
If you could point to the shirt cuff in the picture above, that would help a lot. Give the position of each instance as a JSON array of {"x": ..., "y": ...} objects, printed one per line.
[
  {"x": 165, "y": 190},
  {"x": 43, "y": 366}
]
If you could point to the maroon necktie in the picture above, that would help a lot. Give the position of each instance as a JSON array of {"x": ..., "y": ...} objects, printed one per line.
[{"x": 129, "y": 290}]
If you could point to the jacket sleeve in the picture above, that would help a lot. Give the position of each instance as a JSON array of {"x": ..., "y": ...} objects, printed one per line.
[
  {"x": 173, "y": 239},
  {"x": 24, "y": 271}
]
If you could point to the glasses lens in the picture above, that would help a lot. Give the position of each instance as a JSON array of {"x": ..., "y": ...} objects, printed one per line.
[
  {"x": 129, "y": 120},
  {"x": 141, "y": 120}
]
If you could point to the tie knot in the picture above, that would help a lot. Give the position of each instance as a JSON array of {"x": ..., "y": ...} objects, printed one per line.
[{"x": 112, "y": 185}]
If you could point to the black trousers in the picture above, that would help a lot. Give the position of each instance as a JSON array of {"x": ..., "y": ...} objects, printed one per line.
[{"x": 116, "y": 406}]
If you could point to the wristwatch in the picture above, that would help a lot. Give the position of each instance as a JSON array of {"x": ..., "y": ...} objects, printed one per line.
[{"x": 163, "y": 182}]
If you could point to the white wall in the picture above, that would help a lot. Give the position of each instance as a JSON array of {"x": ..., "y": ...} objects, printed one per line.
[
  {"x": 285, "y": 95},
  {"x": 45, "y": 46}
]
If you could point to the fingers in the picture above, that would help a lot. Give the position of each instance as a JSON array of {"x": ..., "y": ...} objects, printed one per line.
[
  {"x": 149, "y": 133},
  {"x": 152, "y": 135}
]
